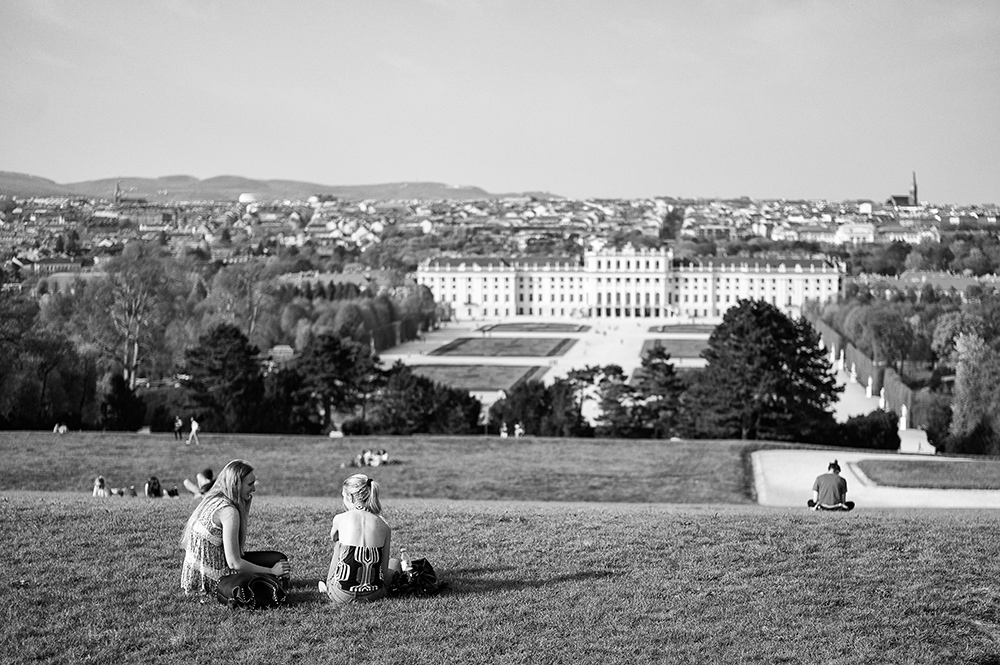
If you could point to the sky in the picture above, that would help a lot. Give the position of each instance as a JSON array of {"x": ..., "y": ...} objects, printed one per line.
[{"x": 792, "y": 99}]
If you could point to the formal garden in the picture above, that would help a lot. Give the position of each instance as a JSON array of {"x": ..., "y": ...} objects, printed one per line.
[{"x": 540, "y": 347}]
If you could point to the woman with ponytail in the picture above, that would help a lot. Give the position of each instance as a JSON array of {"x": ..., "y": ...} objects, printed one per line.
[
  {"x": 215, "y": 537},
  {"x": 360, "y": 571}
]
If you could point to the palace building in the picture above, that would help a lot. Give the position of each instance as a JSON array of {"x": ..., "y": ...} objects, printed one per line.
[{"x": 625, "y": 284}]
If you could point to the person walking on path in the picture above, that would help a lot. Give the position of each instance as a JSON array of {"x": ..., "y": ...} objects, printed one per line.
[
  {"x": 193, "y": 437},
  {"x": 830, "y": 491}
]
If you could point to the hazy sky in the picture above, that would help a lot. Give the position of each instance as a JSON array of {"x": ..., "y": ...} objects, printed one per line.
[{"x": 783, "y": 98}]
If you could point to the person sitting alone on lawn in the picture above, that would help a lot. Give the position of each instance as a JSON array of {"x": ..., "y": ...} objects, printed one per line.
[
  {"x": 360, "y": 570},
  {"x": 830, "y": 491},
  {"x": 101, "y": 488},
  {"x": 214, "y": 539}
]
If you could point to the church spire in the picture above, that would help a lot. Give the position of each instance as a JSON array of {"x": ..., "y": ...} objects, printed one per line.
[{"x": 914, "y": 201}]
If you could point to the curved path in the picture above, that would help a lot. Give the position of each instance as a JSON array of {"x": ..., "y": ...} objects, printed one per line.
[{"x": 785, "y": 477}]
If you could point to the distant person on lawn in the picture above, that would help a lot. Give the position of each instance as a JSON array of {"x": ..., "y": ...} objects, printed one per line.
[
  {"x": 214, "y": 539},
  {"x": 178, "y": 428},
  {"x": 360, "y": 570},
  {"x": 830, "y": 491},
  {"x": 193, "y": 436},
  {"x": 205, "y": 479}
]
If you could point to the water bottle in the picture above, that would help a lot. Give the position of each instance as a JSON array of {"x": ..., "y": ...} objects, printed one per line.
[{"x": 404, "y": 562}]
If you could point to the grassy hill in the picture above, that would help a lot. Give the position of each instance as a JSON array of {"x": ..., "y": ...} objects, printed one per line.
[
  {"x": 536, "y": 575},
  {"x": 229, "y": 188}
]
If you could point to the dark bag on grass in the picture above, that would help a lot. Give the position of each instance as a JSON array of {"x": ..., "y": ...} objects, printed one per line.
[
  {"x": 252, "y": 591},
  {"x": 420, "y": 581}
]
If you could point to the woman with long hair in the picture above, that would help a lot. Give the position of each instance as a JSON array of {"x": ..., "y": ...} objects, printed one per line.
[
  {"x": 215, "y": 537},
  {"x": 360, "y": 571}
]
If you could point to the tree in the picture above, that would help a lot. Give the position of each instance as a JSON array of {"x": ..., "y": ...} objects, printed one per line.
[
  {"x": 766, "y": 377},
  {"x": 888, "y": 335},
  {"x": 878, "y": 430},
  {"x": 619, "y": 416},
  {"x": 125, "y": 314},
  {"x": 122, "y": 410},
  {"x": 336, "y": 373},
  {"x": 411, "y": 404},
  {"x": 975, "y": 402},
  {"x": 528, "y": 403},
  {"x": 241, "y": 293},
  {"x": 658, "y": 390},
  {"x": 949, "y": 327},
  {"x": 226, "y": 381}
]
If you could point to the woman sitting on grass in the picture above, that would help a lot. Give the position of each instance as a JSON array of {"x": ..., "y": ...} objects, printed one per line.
[
  {"x": 360, "y": 571},
  {"x": 215, "y": 535}
]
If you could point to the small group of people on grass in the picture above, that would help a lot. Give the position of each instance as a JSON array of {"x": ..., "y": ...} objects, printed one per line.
[
  {"x": 214, "y": 540},
  {"x": 369, "y": 457},
  {"x": 153, "y": 489}
]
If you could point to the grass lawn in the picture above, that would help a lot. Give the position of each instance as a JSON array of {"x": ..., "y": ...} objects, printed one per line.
[
  {"x": 530, "y": 582},
  {"x": 527, "y": 326},
  {"x": 678, "y": 348},
  {"x": 480, "y": 377},
  {"x": 556, "y": 551},
  {"x": 954, "y": 474},
  {"x": 475, "y": 468},
  {"x": 684, "y": 328},
  {"x": 505, "y": 347}
]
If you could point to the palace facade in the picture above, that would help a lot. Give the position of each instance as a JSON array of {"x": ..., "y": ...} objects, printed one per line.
[{"x": 625, "y": 284}]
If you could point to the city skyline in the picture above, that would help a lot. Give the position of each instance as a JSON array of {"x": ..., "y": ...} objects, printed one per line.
[{"x": 819, "y": 100}]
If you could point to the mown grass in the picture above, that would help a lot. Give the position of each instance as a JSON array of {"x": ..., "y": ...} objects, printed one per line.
[
  {"x": 660, "y": 557},
  {"x": 479, "y": 468},
  {"x": 505, "y": 347},
  {"x": 96, "y": 581},
  {"x": 479, "y": 377},
  {"x": 968, "y": 474}
]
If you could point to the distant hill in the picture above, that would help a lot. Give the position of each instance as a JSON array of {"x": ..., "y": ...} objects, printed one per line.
[{"x": 229, "y": 188}]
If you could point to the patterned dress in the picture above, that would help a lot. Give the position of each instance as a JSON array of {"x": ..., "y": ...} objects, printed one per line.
[{"x": 205, "y": 557}]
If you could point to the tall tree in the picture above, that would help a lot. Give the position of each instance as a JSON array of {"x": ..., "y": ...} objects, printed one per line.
[
  {"x": 337, "y": 373},
  {"x": 226, "y": 381},
  {"x": 126, "y": 313},
  {"x": 766, "y": 377},
  {"x": 619, "y": 413},
  {"x": 977, "y": 375},
  {"x": 658, "y": 391}
]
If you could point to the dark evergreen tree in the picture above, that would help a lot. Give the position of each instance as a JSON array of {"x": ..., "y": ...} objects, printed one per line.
[
  {"x": 226, "y": 382},
  {"x": 766, "y": 378},
  {"x": 528, "y": 403},
  {"x": 335, "y": 373},
  {"x": 658, "y": 391},
  {"x": 620, "y": 416}
]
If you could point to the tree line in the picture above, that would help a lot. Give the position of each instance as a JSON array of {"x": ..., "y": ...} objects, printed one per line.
[
  {"x": 73, "y": 349},
  {"x": 766, "y": 377},
  {"x": 946, "y": 346}
]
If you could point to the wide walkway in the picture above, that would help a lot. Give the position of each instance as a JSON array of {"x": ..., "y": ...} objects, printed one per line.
[{"x": 785, "y": 478}]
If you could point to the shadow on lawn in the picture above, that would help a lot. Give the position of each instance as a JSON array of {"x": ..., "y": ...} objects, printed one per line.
[
  {"x": 304, "y": 591},
  {"x": 485, "y": 580}
]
